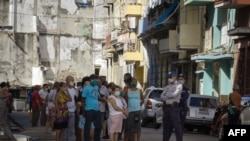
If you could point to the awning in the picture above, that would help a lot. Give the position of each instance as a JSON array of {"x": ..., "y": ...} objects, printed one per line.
[
  {"x": 167, "y": 13},
  {"x": 216, "y": 56}
]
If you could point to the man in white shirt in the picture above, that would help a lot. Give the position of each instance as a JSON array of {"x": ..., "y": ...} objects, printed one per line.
[
  {"x": 43, "y": 92},
  {"x": 171, "y": 112},
  {"x": 70, "y": 131}
]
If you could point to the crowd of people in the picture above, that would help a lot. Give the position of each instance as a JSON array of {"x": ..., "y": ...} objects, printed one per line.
[
  {"x": 90, "y": 110},
  {"x": 95, "y": 109}
]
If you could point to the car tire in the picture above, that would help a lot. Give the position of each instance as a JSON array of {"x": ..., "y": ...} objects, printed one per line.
[
  {"x": 144, "y": 122},
  {"x": 155, "y": 124}
]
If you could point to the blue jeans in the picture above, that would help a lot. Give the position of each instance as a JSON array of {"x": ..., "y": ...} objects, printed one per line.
[
  {"x": 171, "y": 120},
  {"x": 95, "y": 117}
]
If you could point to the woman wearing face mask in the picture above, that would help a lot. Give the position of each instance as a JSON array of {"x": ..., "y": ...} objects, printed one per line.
[
  {"x": 61, "y": 121},
  {"x": 134, "y": 98},
  {"x": 116, "y": 112}
]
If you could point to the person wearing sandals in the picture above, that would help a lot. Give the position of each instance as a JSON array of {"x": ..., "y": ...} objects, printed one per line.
[{"x": 134, "y": 98}]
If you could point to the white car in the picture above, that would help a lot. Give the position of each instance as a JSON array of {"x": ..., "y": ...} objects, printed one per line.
[
  {"x": 201, "y": 112},
  {"x": 152, "y": 96}
]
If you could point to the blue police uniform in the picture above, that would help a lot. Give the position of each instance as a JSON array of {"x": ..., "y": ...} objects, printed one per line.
[{"x": 171, "y": 96}]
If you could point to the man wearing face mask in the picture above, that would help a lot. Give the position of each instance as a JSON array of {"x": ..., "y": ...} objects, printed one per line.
[
  {"x": 43, "y": 93},
  {"x": 183, "y": 101},
  {"x": 171, "y": 96},
  {"x": 92, "y": 113},
  {"x": 71, "y": 90}
]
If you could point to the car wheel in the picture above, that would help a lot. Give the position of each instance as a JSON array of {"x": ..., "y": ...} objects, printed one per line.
[
  {"x": 144, "y": 122},
  {"x": 207, "y": 130},
  {"x": 155, "y": 124},
  {"x": 220, "y": 134}
]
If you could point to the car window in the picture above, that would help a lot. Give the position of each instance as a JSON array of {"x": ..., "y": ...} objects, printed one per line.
[
  {"x": 203, "y": 102},
  {"x": 155, "y": 94}
]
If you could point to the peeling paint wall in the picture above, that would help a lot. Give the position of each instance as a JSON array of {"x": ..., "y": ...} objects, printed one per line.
[{"x": 51, "y": 39}]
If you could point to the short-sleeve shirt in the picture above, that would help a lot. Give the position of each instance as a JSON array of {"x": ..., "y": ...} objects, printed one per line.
[{"x": 91, "y": 95}]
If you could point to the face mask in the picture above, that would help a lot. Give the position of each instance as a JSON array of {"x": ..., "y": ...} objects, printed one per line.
[
  {"x": 94, "y": 82},
  {"x": 170, "y": 80},
  {"x": 117, "y": 93},
  {"x": 133, "y": 84},
  {"x": 122, "y": 94},
  {"x": 71, "y": 83},
  {"x": 181, "y": 81}
]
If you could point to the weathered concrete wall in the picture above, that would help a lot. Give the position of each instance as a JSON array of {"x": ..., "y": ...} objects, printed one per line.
[
  {"x": 17, "y": 59},
  {"x": 52, "y": 39},
  {"x": 4, "y": 15}
]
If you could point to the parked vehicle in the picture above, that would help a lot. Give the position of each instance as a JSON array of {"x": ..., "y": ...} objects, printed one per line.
[
  {"x": 201, "y": 112},
  {"x": 151, "y": 98}
]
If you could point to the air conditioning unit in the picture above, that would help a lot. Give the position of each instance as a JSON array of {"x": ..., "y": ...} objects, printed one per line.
[{"x": 182, "y": 54}]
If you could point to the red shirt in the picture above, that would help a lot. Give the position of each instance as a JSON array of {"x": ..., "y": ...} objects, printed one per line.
[{"x": 36, "y": 97}]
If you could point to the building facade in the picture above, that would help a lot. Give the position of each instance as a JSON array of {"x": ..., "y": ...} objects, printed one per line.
[{"x": 48, "y": 41}]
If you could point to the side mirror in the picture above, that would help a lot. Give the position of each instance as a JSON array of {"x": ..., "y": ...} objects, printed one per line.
[{"x": 158, "y": 105}]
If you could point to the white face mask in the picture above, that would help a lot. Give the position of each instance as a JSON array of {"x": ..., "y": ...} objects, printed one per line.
[
  {"x": 117, "y": 93},
  {"x": 181, "y": 81},
  {"x": 71, "y": 83},
  {"x": 170, "y": 80}
]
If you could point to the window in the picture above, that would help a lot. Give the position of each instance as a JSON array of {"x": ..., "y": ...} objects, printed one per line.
[
  {"x": 203, "y": 102},
  {"x": 155, "y": 94}
]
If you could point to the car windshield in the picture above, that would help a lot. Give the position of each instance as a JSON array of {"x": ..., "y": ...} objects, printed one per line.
[
  {"x": 203, "y": 102},
  {"x": 155, "y": 94}
]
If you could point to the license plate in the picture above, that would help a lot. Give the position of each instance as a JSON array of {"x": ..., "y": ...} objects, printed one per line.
[{"x": 203, "y": 112}]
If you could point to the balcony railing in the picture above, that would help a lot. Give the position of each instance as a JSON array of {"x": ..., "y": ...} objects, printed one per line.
[{"x": 231, "y": 3}]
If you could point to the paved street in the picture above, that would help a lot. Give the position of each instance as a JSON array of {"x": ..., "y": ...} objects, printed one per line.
[{"x": 148, "y": 133}]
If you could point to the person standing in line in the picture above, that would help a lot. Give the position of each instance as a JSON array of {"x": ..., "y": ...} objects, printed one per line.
[
  {"x": 135, "y": 99},
  {"x": 43, "y": 93},
  {"x": 183, "y": 101},
  {"x": 234, "y": 108},
  {"x": 4, "y": 95},
  {"x": 51, "y": 110},
  {"x": 92, "y": 113},
  {"x": 36, "y": 105},
  {"x": 127, "y": 78},
  {"x": 62, "y": 113},
  {"x": 171, "y": 96},
  {"x": 116, "y": 112},
  {"x": 103, "y": 95},
  {"x": 70, "y": 130}
]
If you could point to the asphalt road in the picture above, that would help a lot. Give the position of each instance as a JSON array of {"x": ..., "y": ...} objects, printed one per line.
[{"x": 148, "y": 133}]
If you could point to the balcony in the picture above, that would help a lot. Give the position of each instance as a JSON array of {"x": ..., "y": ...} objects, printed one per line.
[
  {"x": 132, "y": 56},
  {"x": 197, "y": 2},
  {"x": 168, "y": 45},
  {"x": 184, "y": 40},
  {"x": 231, "y": 3},
  {"x": 133, "y": 10},
  {"x": 239, "y": 31}
]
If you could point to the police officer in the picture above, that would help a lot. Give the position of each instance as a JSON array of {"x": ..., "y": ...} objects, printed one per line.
[
  {"x": 171, "y": 96},
  {"x": 183, "y": 101}
]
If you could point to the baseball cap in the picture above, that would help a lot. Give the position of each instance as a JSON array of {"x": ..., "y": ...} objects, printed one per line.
[{"x": 172, "y": 73}]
